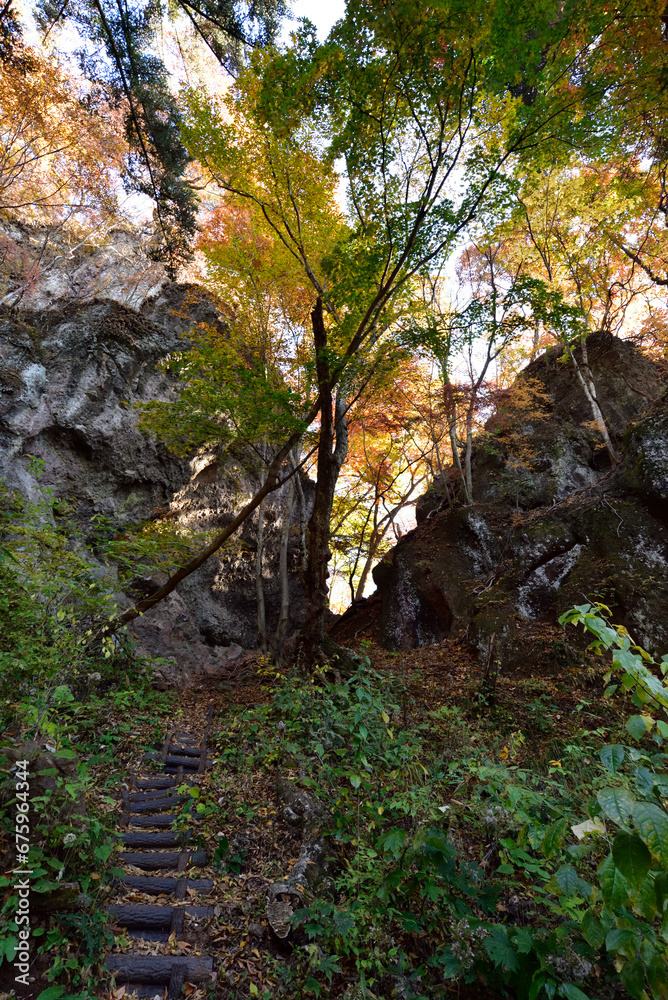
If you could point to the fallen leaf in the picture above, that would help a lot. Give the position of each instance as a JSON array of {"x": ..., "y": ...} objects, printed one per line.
[{"x": 595, "y": 825}]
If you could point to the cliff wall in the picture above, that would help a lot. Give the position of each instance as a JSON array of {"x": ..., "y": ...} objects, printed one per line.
[{"x": 69, "y": 376}]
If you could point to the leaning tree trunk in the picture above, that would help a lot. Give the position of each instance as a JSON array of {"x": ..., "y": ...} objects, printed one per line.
[
  {"x": 586, "y": 380},
  {"x": 332, "y": 451}
]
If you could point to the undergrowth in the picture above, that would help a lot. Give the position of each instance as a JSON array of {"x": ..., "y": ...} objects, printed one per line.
[
  {"x": 61, "y": 708},
  {"x": 464, "y": 863}
]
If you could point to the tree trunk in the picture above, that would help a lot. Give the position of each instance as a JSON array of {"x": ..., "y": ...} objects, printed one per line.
[
  {"x": 332, "y": 450},
  {"x": 284, "y": 581},
  {"x": 586, "y": 380},
  {"x": 468, "y": 475},
  {"x": 366, "y": 569},
  {"x": 451, "y": 414},
  {"x": 303, "y": 554},
  {"x": 259, "y": 582}
]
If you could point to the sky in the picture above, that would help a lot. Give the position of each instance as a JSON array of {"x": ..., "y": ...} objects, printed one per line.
[{"x": 323, "y": 13}]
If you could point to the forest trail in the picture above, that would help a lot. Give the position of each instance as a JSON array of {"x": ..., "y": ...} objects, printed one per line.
[{"x": 149, "y": 818}]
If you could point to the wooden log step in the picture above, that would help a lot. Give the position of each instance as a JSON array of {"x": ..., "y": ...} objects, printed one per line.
[
  {"x": 146, "y": 796},
  {"x": 145, "y": 783},
  {"x": 156, "y": 886},
  {"x": 175, "y": 762},
  {"x": 151, "y": 862},
  {"x": 154, "y": 917},
  {"x": 145, "y": 992},
  {"x": 161, "y": 819},
  {"x": 158, "y": 968},
  {"x": 155, "y": 805},
  {"x": 155, "y": 839},
  {"x": 185, "y": 751}
]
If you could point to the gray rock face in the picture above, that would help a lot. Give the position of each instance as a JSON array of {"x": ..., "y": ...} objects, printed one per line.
[
  {"x": 69, "y": 379},
  {"x": 118, "y": 268},
  {"x": 169, "y": 634},
  {"x": 646, "y": 450},
  {"x": 564, "y": 529}
]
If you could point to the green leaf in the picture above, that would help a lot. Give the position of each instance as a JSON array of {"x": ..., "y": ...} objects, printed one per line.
[
  {"x": 10, "y": 947},
  {"x": 554, "y": 837},
  {"x": 637, "y": 726},
  {"x": 613, "y": 884},
  {"x": 633, "y": 977},
  {"x": 631, "y": 857},
  {"x": 355, "y": 780},
  {"x": 592, "y": 930},
  {"x": 652, "y": 824},
  {"x": 644, "y": 781},
  {"x": 617, "y": 804},
  {"x": 537, "y": 984},
  {"x": 523, "y": 940},
  {"x": 51, "y": 993},
  {"x": 69, "y": 754},
  {"x": 612, "y": 757},
  {"x": 657, "y": 979},
  {"x": 645, "y": 900},
  {"x": 500, "y": 951},
  {"x": 569, "y": 881},
  {"x": 623, "y": 941},
  {"x": 661, "y": 891},
  {"x": 62, "y": 695},
  {"x": 448, "y": 963},
  {"x": 572, "y": 992},
  {"x": 394, "y": 842}
]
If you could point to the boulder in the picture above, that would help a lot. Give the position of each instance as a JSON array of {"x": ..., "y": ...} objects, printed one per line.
[{"x": 562, "y": 527}]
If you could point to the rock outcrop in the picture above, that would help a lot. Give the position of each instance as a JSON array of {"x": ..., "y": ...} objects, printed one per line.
[
  {"x": 558, "y": 527},
  {"x": 43, "y": 268},
  {"x": 69, "y": 379}
]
